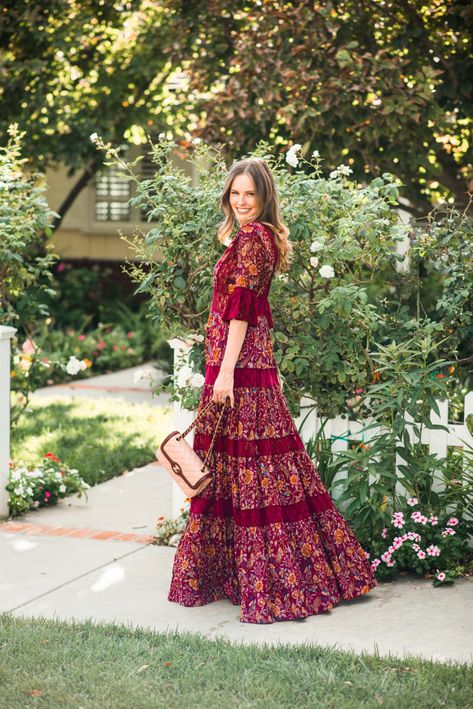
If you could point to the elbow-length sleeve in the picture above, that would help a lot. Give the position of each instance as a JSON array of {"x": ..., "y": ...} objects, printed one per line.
[{"x": 253, "y": 265}]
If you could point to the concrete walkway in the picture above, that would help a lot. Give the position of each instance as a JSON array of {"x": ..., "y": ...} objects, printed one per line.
[{"x": 95, "y": 560}]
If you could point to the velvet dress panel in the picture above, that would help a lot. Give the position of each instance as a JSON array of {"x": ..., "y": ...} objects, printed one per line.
[{"x": 265, "y": 532}]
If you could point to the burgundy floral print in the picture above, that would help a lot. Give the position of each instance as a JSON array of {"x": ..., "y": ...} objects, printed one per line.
[{"x": 265, "y": 533}]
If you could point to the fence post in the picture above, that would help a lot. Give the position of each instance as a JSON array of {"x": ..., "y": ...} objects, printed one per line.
[
  {"x": 182, "y": 417},
  {"x": 6, "y": 334}
]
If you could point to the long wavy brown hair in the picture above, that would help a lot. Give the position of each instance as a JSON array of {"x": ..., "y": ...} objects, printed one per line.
[{"x": 267, "y": 201}]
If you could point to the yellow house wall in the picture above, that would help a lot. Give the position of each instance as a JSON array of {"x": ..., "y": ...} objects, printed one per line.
[{"x": 80, "y": 236}]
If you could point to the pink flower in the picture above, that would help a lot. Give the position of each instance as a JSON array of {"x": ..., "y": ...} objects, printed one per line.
[
  {"x": 416, "y": 547},
  {"x": 448, "y": 531},
  {"x": 433, "y": 520},
  {"x": 423, "y": 519},
  {"x": 452, "y": 521},
  {"x": 375, "y": 563},
  {"x": 416, "y": 516},
  {"x": 412, "y": 501},
  {"x": 81, "y": 337},
  {"x": 398, "y": 520},
  {"x": 60, "y": 268},
  {"x": 386, "y": 556},
  {"x": 28, "y": 346},
  {"x": 115, "y": 347},
  {"x": 101, "y": 345},
  {"x": 441, "y": 576},
  {"x": 433, "y": 550},
  {"x": 384, "y": 533},
  {"x": 367, "y": 554},
  {"x": 421, "y": 554},
  {"x": 130, "y": 334},
  {"x": 390, "y": 563},
  {"x": 47, "y": 494}
]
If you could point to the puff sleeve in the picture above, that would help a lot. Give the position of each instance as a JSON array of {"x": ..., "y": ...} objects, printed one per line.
[{"x": 253, "y": 262}]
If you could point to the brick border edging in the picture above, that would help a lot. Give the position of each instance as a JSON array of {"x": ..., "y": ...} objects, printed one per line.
[{"x": 74, "y": 532}]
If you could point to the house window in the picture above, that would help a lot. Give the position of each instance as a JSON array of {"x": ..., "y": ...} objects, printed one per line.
[{"x": 112, "y": 193}]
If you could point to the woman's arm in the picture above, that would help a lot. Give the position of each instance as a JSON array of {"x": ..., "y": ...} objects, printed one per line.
[{"x": 223, "y": 385}]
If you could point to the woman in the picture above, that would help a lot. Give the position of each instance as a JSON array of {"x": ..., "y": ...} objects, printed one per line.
[{"x": 265, "y": 532}]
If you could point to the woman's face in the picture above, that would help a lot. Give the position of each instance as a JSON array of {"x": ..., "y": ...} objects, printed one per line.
[{"x": 243, "y": 199}]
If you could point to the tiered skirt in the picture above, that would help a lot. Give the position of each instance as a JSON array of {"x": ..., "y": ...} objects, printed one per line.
[{"x": 265, "y": 533}]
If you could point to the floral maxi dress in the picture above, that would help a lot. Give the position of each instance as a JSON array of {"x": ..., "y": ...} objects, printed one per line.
[{"x": 264, "y": 533}]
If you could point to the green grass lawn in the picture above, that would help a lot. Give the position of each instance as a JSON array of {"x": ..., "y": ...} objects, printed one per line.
[
  {"x": 47, "y": 663},
  {"x": 100, "y": 437}
]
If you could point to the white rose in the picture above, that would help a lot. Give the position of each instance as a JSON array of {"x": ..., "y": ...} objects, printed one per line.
[
  {"x": 62, "y": 488},
  {"x": 185, "y": 373},
  {"x": 291, "y": 155},
  {"x": 145, "y": 373},
  {"x": 314, "y": 261},
  {"x": 197, "y": 380},
  {"x": 333, "y": 174},
  {"x": 73, "y": 366},
  {"x": 327, "y": 272},
  {"x": 317, "y": 245},
  {"x": 344, "y": 169}
]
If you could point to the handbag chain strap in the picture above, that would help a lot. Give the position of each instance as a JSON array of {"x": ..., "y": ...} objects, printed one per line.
[{"x": 202, "y": 411}]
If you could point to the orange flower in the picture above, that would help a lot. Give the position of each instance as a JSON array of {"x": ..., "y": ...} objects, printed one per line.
[
  {"x": 241, "y": 282},
  {"x": 240, "y": 428},
  {"x": 293, "y": 479},
  {"x": 365, "y": 589},
  {"x": 193, "y": 583},
  {"x": 280, "y": 484},
  {"x": 291, "y": 578},
  {"x": 336, "y": 566},
  {"x": 306, "y": 550},
  {"x": 451, "y": 369},
  {"x": 259, "y": 585},
  {"x": 265, "y": 483},
  {"x": 270, "y": 430},
  {"x": 194, "y": 525},
  {"x": 252, "y": 269},
  {"x": 247, "y": 476},
  {"x": 231, "y": 288},
  {"x": 338, "y": 535}
]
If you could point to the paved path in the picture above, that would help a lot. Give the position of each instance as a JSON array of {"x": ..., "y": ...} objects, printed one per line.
[{"x": 94, "y": 559}]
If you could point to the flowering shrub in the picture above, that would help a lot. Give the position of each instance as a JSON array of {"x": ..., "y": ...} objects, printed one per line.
[
  {"x": 167, "y": 527},
  {"x": 427, "y": 544},
  {"x": 43, "y": 486}
]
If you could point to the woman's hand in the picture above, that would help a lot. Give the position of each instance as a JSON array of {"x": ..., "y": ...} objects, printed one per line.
[{"x": 223, "y": 387}]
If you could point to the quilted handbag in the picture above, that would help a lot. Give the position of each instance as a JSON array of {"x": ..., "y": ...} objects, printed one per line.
[{"x": 182, "y": 462}]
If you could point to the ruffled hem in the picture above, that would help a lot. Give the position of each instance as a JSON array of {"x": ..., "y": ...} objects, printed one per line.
[{"x": 244, "y": 304}]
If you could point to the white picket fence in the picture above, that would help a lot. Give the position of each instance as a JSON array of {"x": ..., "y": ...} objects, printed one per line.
[{"x": 343, "y": 431}]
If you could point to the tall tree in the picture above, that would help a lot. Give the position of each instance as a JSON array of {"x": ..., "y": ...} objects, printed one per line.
[
  {"x": 386, "y": 86},
  {"x": 69, "y": 69}
]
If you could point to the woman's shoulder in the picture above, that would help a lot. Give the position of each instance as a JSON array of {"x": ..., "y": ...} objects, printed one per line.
[{"x": 256, "y": 230}]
